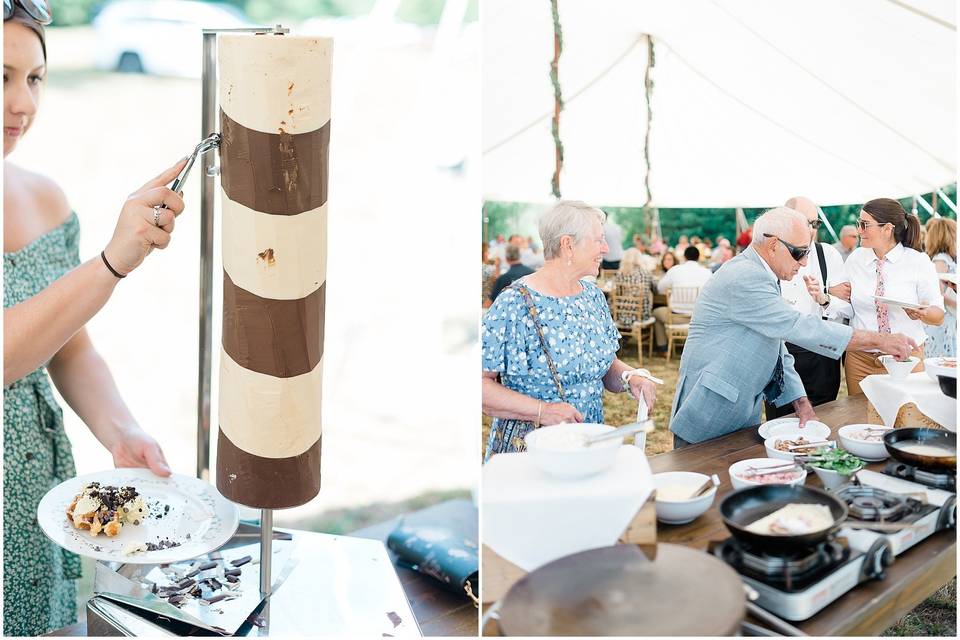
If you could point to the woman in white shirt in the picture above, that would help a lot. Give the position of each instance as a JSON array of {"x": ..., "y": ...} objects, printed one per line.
[{"x": 889, "y": 263}]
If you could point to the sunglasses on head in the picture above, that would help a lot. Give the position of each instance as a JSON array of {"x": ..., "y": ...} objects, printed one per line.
[
  {"x": 36, "y": 9},
  {"x": 797, "y": 253}
]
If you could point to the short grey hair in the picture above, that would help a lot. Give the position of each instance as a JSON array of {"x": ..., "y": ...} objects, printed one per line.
[
  {"x": 568, "y": 218},
  {"x": 848, "y": 230},
  {"x": 776, "y": 222},
  {"x": 512, "y": 253}
]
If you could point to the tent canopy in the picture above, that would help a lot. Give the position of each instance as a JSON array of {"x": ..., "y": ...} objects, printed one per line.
[{"x": 753, "y": 101}]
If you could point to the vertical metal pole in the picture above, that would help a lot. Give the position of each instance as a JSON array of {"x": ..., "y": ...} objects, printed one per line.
[
  {"x": 207, "y": 192},
  {"x": 266, "y": 550}
]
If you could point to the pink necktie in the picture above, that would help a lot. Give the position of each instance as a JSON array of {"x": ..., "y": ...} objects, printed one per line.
[{"x": 883, "y": 319}]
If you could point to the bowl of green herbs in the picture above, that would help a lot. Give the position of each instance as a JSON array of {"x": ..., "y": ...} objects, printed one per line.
[{"x": 834, "y": 466}]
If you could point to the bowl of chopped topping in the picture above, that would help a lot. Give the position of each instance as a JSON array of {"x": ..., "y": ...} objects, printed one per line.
[
  {"x": 790, "y": 445},
  {"x": 835, "y": 467},
  {"x": 561, "y": 450},
  {"x": 864, "y": 441},
  {"x": 760, "y": 471}
]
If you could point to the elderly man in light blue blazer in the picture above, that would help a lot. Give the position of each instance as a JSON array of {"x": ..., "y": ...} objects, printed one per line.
[{"x": 735, "y": 356}]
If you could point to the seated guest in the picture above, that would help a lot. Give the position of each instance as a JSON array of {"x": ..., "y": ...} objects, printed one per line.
[
  {"x": 688, "y": 274},
  {"x": 735, "y": 354},
  {"x": 819, "y": 374},
  {"x": 940, "y": 244},
  {"x": 667, "y": 261},
  {"x": 525, "y": 386},
  {"x": 632, "y": 281},
  {"x": 491, "y": 270},
  {"x": 682, "y": 245},
  {"x": 889, "y": 263},
  {"x": 848, "y": 241},
  {"x": 515, "y": 270}
]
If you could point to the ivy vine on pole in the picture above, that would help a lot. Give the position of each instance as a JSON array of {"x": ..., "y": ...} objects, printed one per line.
[
  {"x": 648, "y": 91},
  {"x": 557, "y": 96}
]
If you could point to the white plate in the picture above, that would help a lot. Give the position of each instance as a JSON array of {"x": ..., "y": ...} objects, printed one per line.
[
  {"x": 897, "y": 303},
  {"x": 200, "y": 519},
  {"x": 948, "y": 277},
  {"x": 781, "y": 426}
]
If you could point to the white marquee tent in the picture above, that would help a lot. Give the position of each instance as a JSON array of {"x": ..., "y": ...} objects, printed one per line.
[{"x": 753, "y": 101}]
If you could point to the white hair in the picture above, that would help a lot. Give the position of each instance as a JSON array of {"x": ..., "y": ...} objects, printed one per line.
[
  {"x": 568, "y": 218},
  {"x": 776, "y": 222}
]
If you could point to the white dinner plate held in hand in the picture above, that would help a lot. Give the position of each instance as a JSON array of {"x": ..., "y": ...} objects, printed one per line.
[
  {"x": 182, "y": 511},
  {"x": 783, "y": 426},
  {"x": 898, "y": 303}
]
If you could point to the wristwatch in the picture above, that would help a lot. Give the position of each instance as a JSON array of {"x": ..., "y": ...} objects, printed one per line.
[{"x": 827, "y": 301}]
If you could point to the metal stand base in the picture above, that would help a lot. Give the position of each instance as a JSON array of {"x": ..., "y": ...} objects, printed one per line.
[{"x": 266, "y": 551}]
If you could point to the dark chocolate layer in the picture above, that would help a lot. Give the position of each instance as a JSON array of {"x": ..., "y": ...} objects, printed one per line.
[
  {"x": 280, "y": 338},
  {"x": 276, "y": 173},
  {"x": 267, "y": 483}
]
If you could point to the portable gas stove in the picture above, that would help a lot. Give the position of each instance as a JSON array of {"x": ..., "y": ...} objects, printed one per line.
[
  {"x": 890, "y": 501},
  {"x": 796, "y": 585},
  {"x": 933, "y": 479}
]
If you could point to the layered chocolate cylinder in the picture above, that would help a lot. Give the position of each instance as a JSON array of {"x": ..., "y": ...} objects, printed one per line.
[{"x": 275, "y": 134}]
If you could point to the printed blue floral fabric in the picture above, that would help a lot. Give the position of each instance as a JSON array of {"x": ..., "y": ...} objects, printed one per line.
[{"x": 580, "y": 334}]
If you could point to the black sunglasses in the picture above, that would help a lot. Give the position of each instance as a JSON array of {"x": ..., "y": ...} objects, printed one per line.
[
  {"x": 815, "y": 224},
  {"x": 36, "y": 9},
  {"x": 797, "y": 253}
]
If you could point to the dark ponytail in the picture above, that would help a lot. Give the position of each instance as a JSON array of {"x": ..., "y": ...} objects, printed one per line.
[
  {"x": 906, "y": 227},
  {"x": 911, "y": 234}
]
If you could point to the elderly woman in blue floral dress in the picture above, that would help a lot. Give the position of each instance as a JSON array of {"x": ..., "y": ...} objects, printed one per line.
[
  {"x": 580, "y": 335},
  {"x": 48, "y": 296}
]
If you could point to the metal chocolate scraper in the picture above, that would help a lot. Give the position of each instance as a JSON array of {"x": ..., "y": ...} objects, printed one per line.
[{"x": 210, "y": 142}]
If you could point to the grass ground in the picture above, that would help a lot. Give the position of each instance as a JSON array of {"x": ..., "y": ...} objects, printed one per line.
[{"x": 936, "y": 616}]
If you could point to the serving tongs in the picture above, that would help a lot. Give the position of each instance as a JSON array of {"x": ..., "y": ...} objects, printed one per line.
[{"x": 752, "y": 472}]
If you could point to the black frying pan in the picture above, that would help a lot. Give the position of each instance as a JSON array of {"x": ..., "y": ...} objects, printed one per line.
[
  {"x": 742, "y": 508},
  {"x": 896, "y": 439},
  {"x": 948, "y": 385}
]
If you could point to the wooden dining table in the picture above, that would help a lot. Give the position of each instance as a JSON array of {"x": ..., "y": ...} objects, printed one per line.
[{"x": 866, "y": 610}]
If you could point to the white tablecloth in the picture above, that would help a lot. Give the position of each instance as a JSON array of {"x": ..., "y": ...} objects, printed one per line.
[
  {"x": 530, "y": 518},
  {"x": 888, "y": 395}
]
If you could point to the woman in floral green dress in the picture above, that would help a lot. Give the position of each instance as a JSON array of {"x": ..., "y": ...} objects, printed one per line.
[{"x": 48, "y": 296}]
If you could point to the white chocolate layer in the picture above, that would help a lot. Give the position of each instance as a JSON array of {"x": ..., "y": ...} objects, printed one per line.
[
  {"x": 266, "y": 416},
  {"x": 270, "y": 82},
  {"x": 299, "y": 244}
]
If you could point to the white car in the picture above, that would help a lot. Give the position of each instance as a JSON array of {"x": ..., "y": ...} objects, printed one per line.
[{"x": 161, "y": 37}]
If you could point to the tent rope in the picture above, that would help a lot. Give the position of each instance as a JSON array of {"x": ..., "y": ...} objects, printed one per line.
[
  {"x": 924, "y": 14},
  {"x": 557, "y": 97},
  {"x": 943, "y": 163}
]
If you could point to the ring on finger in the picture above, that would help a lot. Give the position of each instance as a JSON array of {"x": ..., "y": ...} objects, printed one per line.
[{"x": 156, "y": 215}]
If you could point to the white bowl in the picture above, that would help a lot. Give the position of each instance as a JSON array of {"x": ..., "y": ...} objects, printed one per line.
[
  {"x": 869, "y": 451},
  {"x": 898, "y": 370},
  {"x": 813, "y": 430},
  {"x": 934, "y": 368},
  {"x": 682, "y": 511},
  {"x": 760, "y": 463},
  {"x": 770, "y": 445},
  {"x": 832, "y": 479},
  {"x": 550, "y": 451}
]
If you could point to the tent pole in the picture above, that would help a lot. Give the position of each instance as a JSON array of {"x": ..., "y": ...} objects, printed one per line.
[
  {"x": 823, "y": 217},
  {"x": 946, "y": 199},
  {"x": 926, "y": 206}
]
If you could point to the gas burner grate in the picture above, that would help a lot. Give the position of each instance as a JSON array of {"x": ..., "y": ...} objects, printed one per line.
[
  {"x": 793, "y": 571},
  {"x": 875, "y": 505}
]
